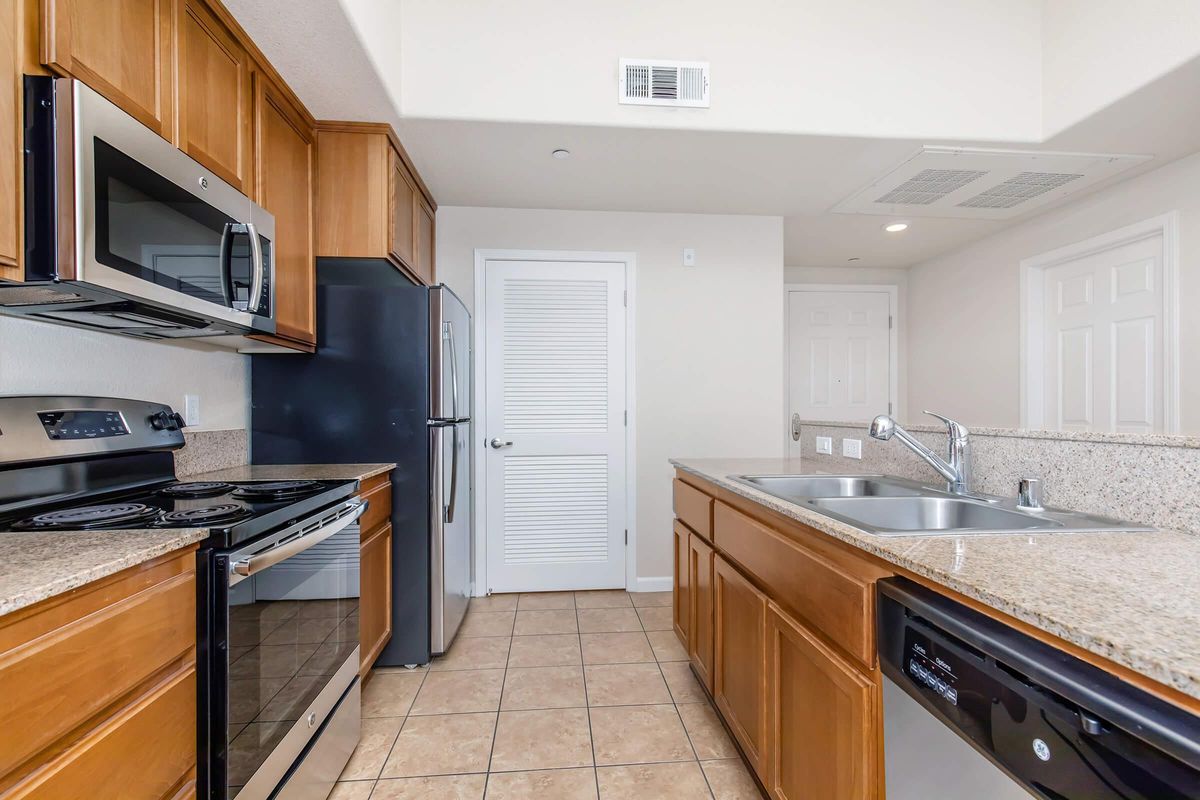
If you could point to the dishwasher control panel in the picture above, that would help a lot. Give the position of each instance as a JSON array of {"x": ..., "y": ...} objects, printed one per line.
[{"x": 930, "y": 669}]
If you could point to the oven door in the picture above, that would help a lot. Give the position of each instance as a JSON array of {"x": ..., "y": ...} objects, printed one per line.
[
  {"x": 286, "y": 625},
  {"x": 153, "y": 224}
]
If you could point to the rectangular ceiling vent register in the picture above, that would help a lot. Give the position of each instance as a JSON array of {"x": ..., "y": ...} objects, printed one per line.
[
  {"x": 655, "y": 82},
  {"x": 982, "y": 183}
]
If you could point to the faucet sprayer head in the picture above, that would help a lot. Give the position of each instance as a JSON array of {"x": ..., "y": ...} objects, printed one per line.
[{"x": 883, "y": 427}]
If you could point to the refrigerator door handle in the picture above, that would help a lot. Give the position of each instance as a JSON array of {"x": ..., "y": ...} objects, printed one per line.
[
  {"x": 449, "y": 513},
  {"x": 448, "y": 334}
]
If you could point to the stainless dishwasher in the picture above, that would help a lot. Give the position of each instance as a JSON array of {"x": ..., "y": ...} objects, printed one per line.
[{"x": 976, "y": 709}]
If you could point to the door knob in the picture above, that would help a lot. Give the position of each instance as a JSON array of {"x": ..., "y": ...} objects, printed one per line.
[{"x": 497, "y": 444}]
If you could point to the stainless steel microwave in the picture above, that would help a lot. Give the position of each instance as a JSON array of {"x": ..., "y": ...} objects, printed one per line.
[{"x": 126, "y": 233}]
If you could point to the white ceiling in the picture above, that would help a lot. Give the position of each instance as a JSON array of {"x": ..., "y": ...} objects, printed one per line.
[{"x": 484, "y": 163}]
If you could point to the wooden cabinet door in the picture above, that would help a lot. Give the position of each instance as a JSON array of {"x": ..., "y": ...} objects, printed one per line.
[
  {"x": 285, "y": 164},
  {"x": 739, "y": 660},
  {"x": 375, "y": 595},
  {"x": 425, "y": 242},
  {"x": 10, "y": 140},
  {"x": 124, "y": 49},
  {"x": 700, "y": 616},
  {"x": 214, "y": 96},
  {"x": 403, "y": 214},
  {"x": 821, "y": 718},
  {"x": 680, "y": 598}
]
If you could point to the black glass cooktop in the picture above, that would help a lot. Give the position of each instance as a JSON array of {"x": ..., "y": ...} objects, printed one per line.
[{"x": 233, "y": 512}]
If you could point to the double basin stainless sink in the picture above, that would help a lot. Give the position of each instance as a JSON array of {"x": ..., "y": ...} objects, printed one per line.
[{"x": 887, "y": 506}]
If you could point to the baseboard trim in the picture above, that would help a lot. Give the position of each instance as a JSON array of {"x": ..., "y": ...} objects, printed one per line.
[{"x": 661, "y": 584}]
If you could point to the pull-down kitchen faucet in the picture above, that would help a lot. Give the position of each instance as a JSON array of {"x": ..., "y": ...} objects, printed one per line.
[{"x": 957, "y": 472}]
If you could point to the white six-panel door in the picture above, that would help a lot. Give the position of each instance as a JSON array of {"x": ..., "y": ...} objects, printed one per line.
[
  {"x": 555, "y": 411},
  {"x": 839, "y": 355},
  {"x": 1103, "y": 340}
]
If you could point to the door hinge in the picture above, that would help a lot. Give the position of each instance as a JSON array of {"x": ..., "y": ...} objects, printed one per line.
[
  {"x": 625, "y": 298},
  {"x": 626, "y": 416},
  {"x": 626, "y": 537},
  {"x": 889, "y": 322},
  {"x": 889, "y": 409}
]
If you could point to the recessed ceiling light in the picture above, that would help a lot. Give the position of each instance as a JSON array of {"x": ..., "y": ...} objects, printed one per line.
[
  {"x": 895, "y": 227},
  {"x": 561, "y": 154}
]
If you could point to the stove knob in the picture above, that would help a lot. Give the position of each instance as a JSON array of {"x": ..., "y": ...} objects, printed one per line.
[
  {"x": 179, "y": 423},
  {"x": 160, "y": 420}
]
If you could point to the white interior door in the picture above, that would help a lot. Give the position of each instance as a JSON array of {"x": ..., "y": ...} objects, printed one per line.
[
  {"x": 555, "y": 425},
  {"x": 1103, "y": 337},
  {"x": 839, "y": 355}
]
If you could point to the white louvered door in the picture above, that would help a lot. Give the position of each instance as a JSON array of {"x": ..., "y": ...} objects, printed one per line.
[{"x": 555, "y": 389}]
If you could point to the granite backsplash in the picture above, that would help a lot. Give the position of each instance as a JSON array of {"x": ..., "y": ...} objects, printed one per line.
[
  {"x": 1148, "y": 479},
  {"x": 207, "y": 451}
]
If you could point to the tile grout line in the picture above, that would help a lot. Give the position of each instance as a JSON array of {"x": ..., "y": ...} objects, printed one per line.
[
  {"x": 407, "y": 714},
  {"x": 587, "y": 701}
]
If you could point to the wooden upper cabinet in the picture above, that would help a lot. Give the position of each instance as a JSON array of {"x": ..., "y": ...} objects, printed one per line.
[
  {"x": 370, "y": 203},
  {"x": 822, "y": 718},
  {"x": 402, "y": 242},
  {"x": 739, "y": 660},
  {"x": 425, "y": 263},
  {"x": 124, "y": 49},
  {"x": 285, "y": 169},
  {"x": 214, "y": 95},
  {"x": 700, "y": 612},
  {"x": 10, "y": 139}
]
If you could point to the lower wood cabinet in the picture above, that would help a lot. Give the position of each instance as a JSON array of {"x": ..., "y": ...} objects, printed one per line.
[
  {"x": 375, "y": 572},
  {"x": 822, "y": 715},
  {"x": 700, "y": 614},
  {"x": 739, "y": 660},
  {"x": 99, "y": 688},
  {"x": 680, "y": 596}
]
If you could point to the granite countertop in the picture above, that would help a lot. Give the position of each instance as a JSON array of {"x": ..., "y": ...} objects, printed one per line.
[
  {"x": 39, "y": 565},
  {"x": 1133, "y": 598},
  {"x": 295, "y": 472}
]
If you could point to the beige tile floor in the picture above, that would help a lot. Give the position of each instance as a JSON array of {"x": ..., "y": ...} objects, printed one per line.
[{"x": 549, "y": 696}]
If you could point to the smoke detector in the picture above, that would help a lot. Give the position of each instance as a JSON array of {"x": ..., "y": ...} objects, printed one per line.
[
  {"x": 982, "y": 183},
  {"x": 655, "y": 82}
]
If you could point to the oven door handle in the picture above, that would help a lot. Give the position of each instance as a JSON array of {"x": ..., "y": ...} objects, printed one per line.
[{"x": 301, "y": 541}]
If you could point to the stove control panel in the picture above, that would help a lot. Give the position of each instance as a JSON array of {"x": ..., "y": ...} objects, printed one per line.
[{"x": 83, "y": 424}]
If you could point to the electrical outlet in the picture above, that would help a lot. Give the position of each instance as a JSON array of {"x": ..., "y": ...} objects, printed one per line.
[
  {"x": 689, "y": 257},
  {"x": 852, "y": 448},
  {"x": 825, "y": 445},
  {"x": 191, "y": 409}
]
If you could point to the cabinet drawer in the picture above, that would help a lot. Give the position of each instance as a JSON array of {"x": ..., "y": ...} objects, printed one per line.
[
  {"x": 145, "y": 752},
  {"x": 835, "y": 602},
  {"x": 66, "y": 675},
  {"x": 694, "y": 508},
  {"x": 379, "y": 509}
]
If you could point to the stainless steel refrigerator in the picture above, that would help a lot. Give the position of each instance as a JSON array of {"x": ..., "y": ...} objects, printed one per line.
[{"x": 390, "y": 382}]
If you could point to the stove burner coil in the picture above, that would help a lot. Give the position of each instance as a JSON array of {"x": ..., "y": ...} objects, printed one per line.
[
  {"x": 88, "y": 517},
  {"x": 196, "y": 489},
  {"x": 226, "y": 512},
  {"x": 275, "y": 490}
]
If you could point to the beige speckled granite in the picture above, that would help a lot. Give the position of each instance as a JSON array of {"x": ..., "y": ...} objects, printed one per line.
[
  {"x": 1149, "y": 439},
  {"x": 1133, "y": 598},
  {"x": 296, "y": 472},
  {"x": 36, "y": 566},
  {"x": 1153, "y": 480},
  {"x": 206, "y": 451}
]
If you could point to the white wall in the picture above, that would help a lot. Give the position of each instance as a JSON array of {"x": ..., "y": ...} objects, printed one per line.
[
  {"x": 964, "y": 307},
  {"x": 900, "y": 68},
  {"x": 40, "y": 358},
  {"x": 709, "y": 337},
  {"x": 1096, "y": 51},
  {"x": 878, "y": 276}
]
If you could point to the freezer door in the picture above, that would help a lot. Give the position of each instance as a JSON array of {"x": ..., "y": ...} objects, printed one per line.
[
  {"x": 449, "y": 356},
  {"x": 450, "y": 517}
]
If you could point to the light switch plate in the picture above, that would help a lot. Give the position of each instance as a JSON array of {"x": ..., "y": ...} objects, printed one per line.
[
  {"x": 852, "y": 448},
  {"x": 689, "y": 257},
  {"x": 825, "y": 445},
  {"x": 191, "y": 409}
]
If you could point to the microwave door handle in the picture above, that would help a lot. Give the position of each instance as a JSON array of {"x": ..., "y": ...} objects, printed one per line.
[
  {"x": 244, "y": 568},
  {"x": 225, "y": 260},
  {"x": 260, "y": 268},
  {"x": 449, "y": 516}
]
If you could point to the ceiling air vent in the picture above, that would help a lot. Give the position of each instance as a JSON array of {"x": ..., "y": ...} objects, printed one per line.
[
  {"x": 646, "y": 82},
  {"x": 980, "y": 183}
]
